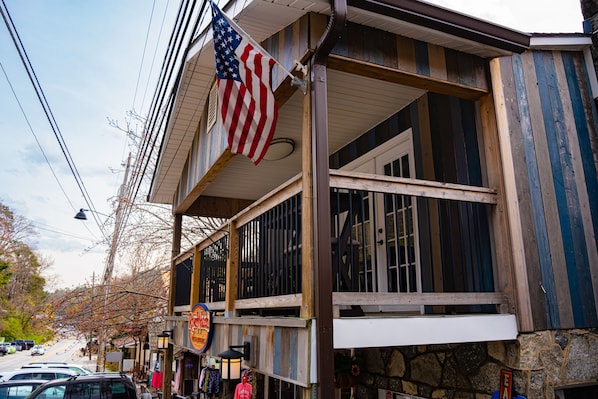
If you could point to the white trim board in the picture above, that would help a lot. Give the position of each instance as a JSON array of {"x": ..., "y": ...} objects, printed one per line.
[{"x": 366, "y": 332}]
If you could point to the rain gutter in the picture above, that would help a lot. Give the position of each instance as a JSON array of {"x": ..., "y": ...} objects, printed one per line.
[
  {"x": 447, "y": 21},
  {"x": 321, "y": 195}
]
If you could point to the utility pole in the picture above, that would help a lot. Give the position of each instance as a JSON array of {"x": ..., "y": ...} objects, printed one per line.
[
  {"x": 101, "y": 359},
  {"x": 93, "y": 287}
]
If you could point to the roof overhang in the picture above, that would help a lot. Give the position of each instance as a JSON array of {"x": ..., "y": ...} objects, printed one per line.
[
  {"x": 560, "y": 41},
  {"x": 261, "y": 19},
  {"x": 458, "y": 26},
  {"x": 581, "y": 42}
]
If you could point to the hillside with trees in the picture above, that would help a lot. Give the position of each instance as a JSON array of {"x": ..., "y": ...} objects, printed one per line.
[
  {"x": 23, "y": 305},
  {"x": 130, "y": 303}
]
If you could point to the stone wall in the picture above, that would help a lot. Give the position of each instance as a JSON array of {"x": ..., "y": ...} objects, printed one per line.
[{"x": 540, "y": 362}]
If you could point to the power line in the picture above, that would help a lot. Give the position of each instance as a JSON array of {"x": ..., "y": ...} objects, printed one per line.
[
  {"x": 47, "y": 110},
  {"x": 143, "y": 55},
  {"x": 35, "y": 136},
  {"x": 51, "y": 229},
  {"x": 162, "y": 104}
]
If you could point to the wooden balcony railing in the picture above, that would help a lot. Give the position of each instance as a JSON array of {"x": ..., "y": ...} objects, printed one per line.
[{"x": 450, "y": 271}]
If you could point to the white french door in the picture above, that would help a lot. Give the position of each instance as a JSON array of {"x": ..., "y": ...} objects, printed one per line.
[{"x": 390, "y": 236}]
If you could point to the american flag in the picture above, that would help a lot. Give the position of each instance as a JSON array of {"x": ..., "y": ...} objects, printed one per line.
[{"x": 244, "y": 79}]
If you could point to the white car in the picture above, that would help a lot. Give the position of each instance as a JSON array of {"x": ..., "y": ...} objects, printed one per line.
[
  {"x": 58, "y": 365},
  {"x": 38, "y": 350},
  {"x": 36, "y": 374}
]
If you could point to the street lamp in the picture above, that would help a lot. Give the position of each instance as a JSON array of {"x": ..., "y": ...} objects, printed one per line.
[
  {"x": 163, "y": 339},
  {"x": 101, "y": 357},
  {"x": 231, "y": 361},
  {"x": 81, "y": 214}
]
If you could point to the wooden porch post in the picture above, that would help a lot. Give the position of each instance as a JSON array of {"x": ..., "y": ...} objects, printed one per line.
[
  {"x": 168, "y": 353},
  {"x": 232, "y": 270},
  {"x": 195, "y": 277},
  {"x": 307, "y": 213}
]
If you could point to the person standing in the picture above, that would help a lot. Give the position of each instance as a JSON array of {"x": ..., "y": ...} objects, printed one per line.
[{"x": 243, "y": 389}]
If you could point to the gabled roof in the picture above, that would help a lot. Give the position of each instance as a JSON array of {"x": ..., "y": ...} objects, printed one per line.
[{"x": 261, "y": 19}]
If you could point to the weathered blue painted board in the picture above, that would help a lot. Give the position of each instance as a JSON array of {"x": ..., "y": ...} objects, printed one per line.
[{"x": 541, "y": 233}]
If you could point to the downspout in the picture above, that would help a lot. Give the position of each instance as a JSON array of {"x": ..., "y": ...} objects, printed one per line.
[{"x": 321, "y": 198}]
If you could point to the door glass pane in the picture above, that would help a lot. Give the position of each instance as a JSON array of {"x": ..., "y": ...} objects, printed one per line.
[
  {"x": 361, "y": 232},
  {"x": 400, "y": 240}
]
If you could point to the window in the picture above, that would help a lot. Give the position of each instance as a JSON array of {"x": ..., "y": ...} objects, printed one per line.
[
  {"x": 52, "y": 392},
  {"x": 283, "y": 390},
  {"x": 586, "y": 392},
  {"x": 270, "y": 387},
  {"x": 16, "y": 392},
  {"x": 119, "y": 390},
  {"x": 28, "y": 376}
]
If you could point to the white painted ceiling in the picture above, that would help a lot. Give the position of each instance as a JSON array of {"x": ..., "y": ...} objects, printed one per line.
[{"x": 355, "y": 103}]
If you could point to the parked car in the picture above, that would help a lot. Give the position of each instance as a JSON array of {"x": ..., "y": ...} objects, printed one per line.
[
  {"x": 3, "y": 349},
  {"x": 9, "y": 349},
  {"x": 58, "y": 365},
  {"x": 24, "y": 344},
  {"x": 12, "y": 347},
  {"x": 38, "y": 350},
  {"x": 92, "y": 386},
  {"x": 18, "y": 389},
  {"x": 36, "y": 374}
]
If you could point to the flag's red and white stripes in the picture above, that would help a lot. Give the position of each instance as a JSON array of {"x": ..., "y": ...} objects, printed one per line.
[{"x": 248, "y": 108}]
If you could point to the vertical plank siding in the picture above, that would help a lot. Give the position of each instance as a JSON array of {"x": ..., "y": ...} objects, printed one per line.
[
  {"x": 413, "y": 56},
  {"x": 454, "y": 237},
  {"x": 277, "y": 351},
  {"x": 586, "y": 152},
  {"x": 544, "y": 274},
  {"x": 550, "y": 132}
]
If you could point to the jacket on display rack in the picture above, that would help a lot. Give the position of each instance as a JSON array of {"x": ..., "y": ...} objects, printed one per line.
[{"x": 209, "y": 380}]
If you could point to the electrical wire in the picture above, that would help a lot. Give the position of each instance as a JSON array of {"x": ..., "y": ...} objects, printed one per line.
[
  {"x": 143, "y": 54},
  {"x": 168, "y": 67},
  {"x": 35, "y": 136},
  {"x": 151, "y": 68},
  {"x": 47, "y": 110},
  {"x": 162, "y": 109},
  {"x": 45, "y": 227}
]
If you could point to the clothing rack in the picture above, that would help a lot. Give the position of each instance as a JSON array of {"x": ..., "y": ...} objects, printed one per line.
[{"x": 209, "y": 382}]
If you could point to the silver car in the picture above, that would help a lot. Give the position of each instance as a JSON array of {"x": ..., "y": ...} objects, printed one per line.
[{"x": 38, "y": 350}]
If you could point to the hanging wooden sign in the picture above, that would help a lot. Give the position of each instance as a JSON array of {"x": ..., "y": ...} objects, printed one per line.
[{"x": 200, "y": 327}]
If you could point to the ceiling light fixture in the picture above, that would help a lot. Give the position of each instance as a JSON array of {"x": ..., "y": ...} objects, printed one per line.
[{"x": 279, "y": 148}]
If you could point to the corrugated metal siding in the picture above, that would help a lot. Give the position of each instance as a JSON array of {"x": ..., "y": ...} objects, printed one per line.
[{"x": 551, "y": 124}]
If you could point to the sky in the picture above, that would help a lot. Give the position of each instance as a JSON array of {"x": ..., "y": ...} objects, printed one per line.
[{"x": 93, "y": 64}]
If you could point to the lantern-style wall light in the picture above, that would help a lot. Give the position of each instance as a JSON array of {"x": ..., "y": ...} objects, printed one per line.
[
  {"x": 163, "y": 339},
  {"x": 231, "y": 361}
]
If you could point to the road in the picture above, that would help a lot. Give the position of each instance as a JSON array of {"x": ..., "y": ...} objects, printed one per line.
[{"x": 66, "y": 350}]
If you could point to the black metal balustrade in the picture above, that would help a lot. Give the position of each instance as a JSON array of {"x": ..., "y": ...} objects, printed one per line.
[
  {"x": 429, "y": 241},
  {"x": 270, "y": 252},
  {"x": 213, "y": 271}
]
